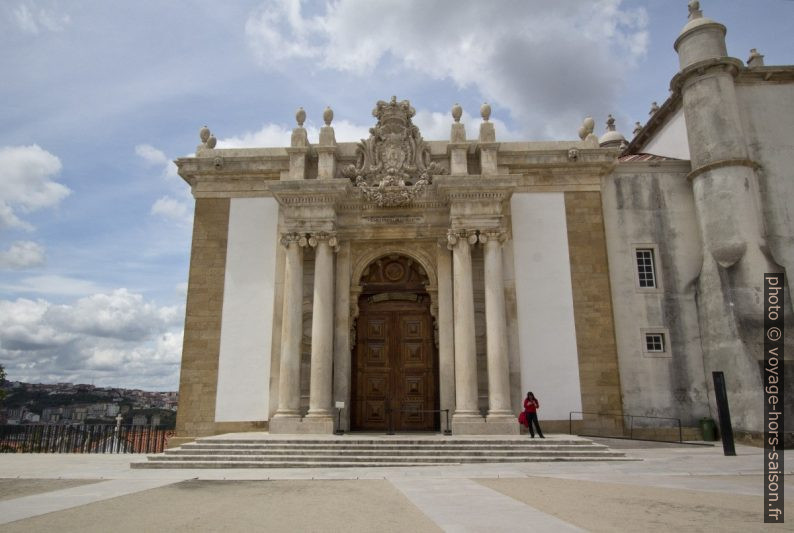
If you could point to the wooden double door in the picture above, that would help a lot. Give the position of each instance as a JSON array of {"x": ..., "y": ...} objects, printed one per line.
[{"x": 394, "y": 365}]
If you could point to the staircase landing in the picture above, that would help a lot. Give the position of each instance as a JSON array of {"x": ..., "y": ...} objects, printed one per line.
[{"x": 262, "y": 450}]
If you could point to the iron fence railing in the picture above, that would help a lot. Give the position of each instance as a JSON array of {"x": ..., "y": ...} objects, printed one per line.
[
  {"x": 389, "y": 416},
  {"x": 622, "y": 426},
  {"x": 86, "y": 438},
  {"x": 410, "y": 410}
]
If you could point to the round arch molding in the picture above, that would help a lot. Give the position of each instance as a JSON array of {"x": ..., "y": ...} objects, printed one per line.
[{"x": 362, "y": 260}]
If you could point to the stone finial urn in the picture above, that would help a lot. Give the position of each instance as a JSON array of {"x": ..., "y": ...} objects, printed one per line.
[
  {"x": 485, "y": 111},
  {"x": 457, "y": 112}
]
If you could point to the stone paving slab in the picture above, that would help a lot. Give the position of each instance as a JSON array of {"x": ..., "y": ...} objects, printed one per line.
[
  {"x": 699, "y": 473},
  {"x": 59, "y": 500},
  {"x": 462, "y": 505}
]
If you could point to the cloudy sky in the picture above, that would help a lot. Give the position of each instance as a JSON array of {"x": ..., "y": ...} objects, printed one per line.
[{"x": 98, "y": 97}]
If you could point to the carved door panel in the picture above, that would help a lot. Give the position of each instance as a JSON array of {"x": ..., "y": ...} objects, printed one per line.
[
  {"x": 394, "y": 367},
  {"x": 416, "y": 390},
  {"x": 372, "y": 378}
]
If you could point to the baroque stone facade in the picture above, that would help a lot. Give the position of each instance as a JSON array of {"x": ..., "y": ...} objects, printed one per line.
[{"x": 395, "y": 281}]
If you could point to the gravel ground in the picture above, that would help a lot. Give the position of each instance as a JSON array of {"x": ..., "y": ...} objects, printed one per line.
[
  {"x": 192, "y": 506},
  {"x": 598, "y": 506},
  {"x": 16, "y": 488}
]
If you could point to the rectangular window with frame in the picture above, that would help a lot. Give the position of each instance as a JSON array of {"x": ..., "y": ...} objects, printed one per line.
[
  {"x": 654, "y": 342},
  {"x": 646, "y": 269}
]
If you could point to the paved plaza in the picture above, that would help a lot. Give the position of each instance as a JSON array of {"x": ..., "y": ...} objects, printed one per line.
[{"x": 672, "y": 487}]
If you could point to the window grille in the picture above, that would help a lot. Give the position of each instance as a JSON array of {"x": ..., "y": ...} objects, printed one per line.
[{"x": 646, "y": 270}]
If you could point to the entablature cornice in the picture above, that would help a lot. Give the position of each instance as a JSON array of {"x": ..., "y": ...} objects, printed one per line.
[
  {"x": 578, "y": 159},
  {"x": 729, "y": 65},
  {"x": 770, "y": 74},
  {"x": 475, "y": 188},
  {"x": 215, "y": 165},
  {"x": 310, "y": 193},
  {"x": 674, "y": 166}
]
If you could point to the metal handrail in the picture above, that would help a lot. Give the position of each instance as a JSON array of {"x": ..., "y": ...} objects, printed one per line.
[
  {"x": 390, "y": 425},
  {"x": 631, "y": 423}
]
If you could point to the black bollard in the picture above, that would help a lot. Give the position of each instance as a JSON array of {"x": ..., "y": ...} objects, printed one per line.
[{"x": 726, "y": 430}]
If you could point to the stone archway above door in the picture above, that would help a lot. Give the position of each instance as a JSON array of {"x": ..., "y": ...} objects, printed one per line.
[{"x": 423, "y": 253}]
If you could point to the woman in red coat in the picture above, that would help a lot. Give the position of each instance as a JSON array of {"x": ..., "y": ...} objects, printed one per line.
[{"x": 531, "y": 405}]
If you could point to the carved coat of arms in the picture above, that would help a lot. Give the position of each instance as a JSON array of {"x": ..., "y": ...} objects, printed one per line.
[{"x": 393, "y": 166}]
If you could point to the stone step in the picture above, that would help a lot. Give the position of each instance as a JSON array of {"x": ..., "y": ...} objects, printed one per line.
[
  {"x": 290, "y": 452},
  {"x": 382, "y": 457},
  {"x": 350, "y": 464},
  {"x": 450, "y": 449},
  {"x": 441, "y": 441},
  {"x": 365, "y": 453},
  {"x": 525, "y": 441},
  {"x": 263, "y": 464}
]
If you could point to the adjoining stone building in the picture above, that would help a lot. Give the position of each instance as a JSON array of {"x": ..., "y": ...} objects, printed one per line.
[{"x": 409, "y": 277}]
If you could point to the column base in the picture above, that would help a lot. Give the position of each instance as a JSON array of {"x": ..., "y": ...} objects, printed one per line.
[
  {"x": 287, "y": 413},
  {"x": 477, "y": 425},
  {"x": 503, "y": 424},
  {"x": 303, "y": 426},
  {"x": 468, "y": 424}
]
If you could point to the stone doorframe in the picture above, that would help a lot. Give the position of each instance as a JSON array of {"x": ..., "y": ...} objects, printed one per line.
[
  {"x": 360, "y": 263},
  {"x": 359, "y": 259}
]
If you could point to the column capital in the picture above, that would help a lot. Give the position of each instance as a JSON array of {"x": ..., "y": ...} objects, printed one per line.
[
  {"x": 293, "y": 238},
  {"x": 324, "y": 236},
  {"x": 458, "y": 235},
  {"x": 495, "y": 235}
]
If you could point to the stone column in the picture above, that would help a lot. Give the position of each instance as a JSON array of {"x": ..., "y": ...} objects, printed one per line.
[
  {"x": 291, "y": 333},
  {"x": 466, "y": 408},
  {"x": 342, "y": 349},
  {"x": 321, "y": 380},
  {"x": 496, "y": 330}
]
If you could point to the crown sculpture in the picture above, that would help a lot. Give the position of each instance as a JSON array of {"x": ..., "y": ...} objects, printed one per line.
[{"x": 393, "y": 166}]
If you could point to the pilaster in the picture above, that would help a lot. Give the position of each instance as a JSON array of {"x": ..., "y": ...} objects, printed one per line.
[{"x": 446, "y": 338}]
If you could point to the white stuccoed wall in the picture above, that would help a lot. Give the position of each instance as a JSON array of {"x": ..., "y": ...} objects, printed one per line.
[
  {"x": 671, "y": 140},
  {"x": 546, "y": 330},
  {"x": 246, "y": 327}
]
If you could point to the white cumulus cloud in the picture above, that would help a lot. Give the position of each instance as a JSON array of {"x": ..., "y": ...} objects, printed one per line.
[
  {"x": 154, "y": 157},
  {"x": 26, "y": 183},
  {"x": 112, "y": 338},
  {"x": 22, "y": 254},
  {"x": 172, "y": 209},
  {"x": 34, "y": 19},
  {"x": 53, "y": 284},
  {"x": 275, "y": 135},
  {"x": 548, "y": 63}
]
